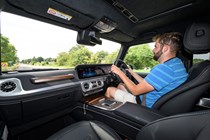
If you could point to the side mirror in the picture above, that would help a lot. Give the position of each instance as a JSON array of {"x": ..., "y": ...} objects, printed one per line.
[{"x": 87, "y": 37}]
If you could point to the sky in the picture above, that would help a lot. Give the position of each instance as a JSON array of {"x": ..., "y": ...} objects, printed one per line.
[{"x": 34, "y": 38}]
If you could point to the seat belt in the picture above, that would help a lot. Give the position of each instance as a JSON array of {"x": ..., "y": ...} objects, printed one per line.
[
  {"x": 143, "y": 102},
  {"x": 138, "y": 101}
]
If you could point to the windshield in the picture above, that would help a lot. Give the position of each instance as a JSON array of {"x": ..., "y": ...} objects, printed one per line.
[{"x": 28, "y": 44}]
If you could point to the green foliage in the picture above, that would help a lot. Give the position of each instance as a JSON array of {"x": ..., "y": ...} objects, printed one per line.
[
  {"x": 98, "y": 57},
  {"x": 140, "y": 56},
  {"x": 50, "y": 60},
  {"x": 39, "y": 59},
  {"x": 8, "y": 51},
  {"x": 196, "y": 60},
  {"x": 79, "y": 54},
  {"x": 26, "y": 61},
  {"x": 109, "y": 59},
  {"x": 62, "y": 59}
]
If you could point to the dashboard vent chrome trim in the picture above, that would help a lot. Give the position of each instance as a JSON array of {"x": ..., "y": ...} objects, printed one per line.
[
  {"x": 92, "y": 86},
  {"x": 8, "y": 86}
]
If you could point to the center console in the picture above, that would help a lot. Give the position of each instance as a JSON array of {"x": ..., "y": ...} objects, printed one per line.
[
  {"x": 123, "y": 117},
  {"x": 126, "y": 119},
  {"x": 138, "y": 113}
]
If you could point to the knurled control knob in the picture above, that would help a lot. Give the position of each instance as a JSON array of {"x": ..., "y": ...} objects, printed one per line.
[
  {"x": 86, "y": 86},
  {"x": 99, "y": 83}
]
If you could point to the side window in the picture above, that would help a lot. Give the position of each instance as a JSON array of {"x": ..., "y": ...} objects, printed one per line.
[
  {"x": 141, "y": 57},
  {"x": 197, "y": 58}
]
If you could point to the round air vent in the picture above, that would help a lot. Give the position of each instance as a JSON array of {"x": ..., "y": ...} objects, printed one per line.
[
  {"x": 86, "y": 86},
  {"x": 8, "y": 86}
]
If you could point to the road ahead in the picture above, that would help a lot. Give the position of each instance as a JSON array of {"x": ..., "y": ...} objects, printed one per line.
[{"x": 30, "y": 67}]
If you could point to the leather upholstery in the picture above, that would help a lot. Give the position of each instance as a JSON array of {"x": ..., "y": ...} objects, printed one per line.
[
  {"x": 138, "y": 113},
  {"x": 86, "y": 130},
  {"x": 192, "y": 126},
  {"x": 184, "y": 98},
  {"x": 196, "y": 39}
]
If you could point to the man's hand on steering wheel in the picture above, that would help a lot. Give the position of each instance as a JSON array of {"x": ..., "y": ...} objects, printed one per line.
[{"x": 118, "y": 68}]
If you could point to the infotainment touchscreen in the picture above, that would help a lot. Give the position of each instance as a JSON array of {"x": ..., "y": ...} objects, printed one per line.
[{"x": 86, "y": 71}]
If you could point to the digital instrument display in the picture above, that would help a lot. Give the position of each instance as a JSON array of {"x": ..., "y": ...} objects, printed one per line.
[
  {"x": 92, "y": 71},
  {"x": 86, "y": 72}
]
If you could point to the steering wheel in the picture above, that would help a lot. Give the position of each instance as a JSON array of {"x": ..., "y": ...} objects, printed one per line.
[{"x": 123, "y": 66}]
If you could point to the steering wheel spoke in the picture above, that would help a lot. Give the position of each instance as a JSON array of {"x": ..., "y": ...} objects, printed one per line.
[{"x": 123, "y": 66}]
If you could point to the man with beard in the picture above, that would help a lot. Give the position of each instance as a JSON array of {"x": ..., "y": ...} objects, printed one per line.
[{"x": 164, "y": 77}]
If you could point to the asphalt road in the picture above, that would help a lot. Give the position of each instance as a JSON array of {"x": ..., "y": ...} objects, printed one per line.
[{"x": 30, "y": 67}]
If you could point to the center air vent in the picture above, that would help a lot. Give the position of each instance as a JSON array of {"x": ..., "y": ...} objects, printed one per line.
[
  {"x": 8, "y": 86},
  {"x": 92, "y": 86}
]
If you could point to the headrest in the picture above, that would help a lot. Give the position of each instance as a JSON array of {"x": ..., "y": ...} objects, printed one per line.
[{"x": 197, "y": 38}]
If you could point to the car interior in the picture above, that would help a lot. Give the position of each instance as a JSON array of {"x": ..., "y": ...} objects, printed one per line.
[{"x": 61, "y": 104}]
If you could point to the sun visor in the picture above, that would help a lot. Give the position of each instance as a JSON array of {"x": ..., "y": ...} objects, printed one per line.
[{"x": 197, "y": 38}]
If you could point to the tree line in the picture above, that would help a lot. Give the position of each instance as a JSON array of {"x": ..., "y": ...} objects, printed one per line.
[{"x": 139, "y": 56}]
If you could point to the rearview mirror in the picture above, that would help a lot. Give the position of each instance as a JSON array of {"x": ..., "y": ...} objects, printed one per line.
[{"x": 87, "y": 37}]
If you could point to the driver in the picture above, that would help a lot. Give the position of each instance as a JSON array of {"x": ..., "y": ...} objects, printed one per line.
[{"x": 164, "y": 77}]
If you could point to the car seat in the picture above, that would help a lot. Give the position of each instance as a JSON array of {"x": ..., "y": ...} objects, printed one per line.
[{"x": 184, "y": 98}]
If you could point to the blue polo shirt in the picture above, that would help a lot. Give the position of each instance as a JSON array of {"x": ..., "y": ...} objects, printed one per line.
[{"x": 165, "y": 77}]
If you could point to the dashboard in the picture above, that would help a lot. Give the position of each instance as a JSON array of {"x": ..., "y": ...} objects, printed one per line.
[{"x": 48, "y": 91}]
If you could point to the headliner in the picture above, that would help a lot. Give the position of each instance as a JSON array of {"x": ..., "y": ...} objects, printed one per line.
[{"x": 136, "y": 20}]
